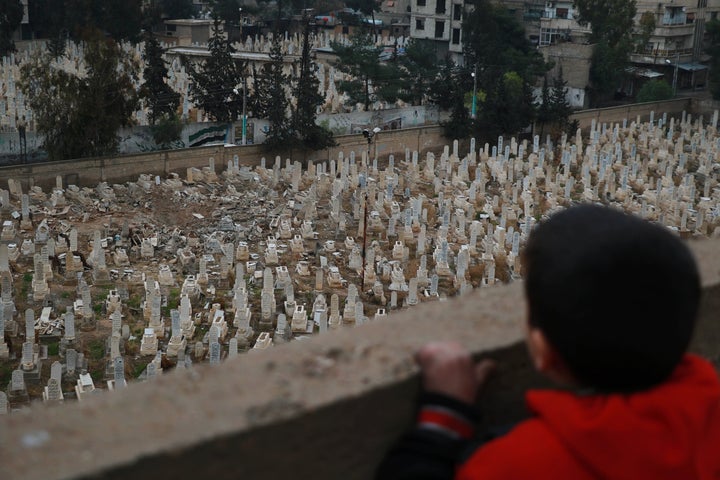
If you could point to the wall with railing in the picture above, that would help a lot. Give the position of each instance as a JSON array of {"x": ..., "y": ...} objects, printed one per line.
[{"x": 324, "y": 408}]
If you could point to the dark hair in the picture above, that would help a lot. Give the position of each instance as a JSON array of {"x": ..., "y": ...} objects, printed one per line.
[{"x": 616, "y": 296}]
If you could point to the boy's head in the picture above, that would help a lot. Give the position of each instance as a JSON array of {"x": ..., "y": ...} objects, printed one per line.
[{"x": 614, "y": 296}]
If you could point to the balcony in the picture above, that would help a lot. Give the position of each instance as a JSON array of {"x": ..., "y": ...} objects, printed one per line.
[
  {"x": 560, "y": 24},
  {"x": 658, "y": 56},
  {"x": 676, "y": 30}
]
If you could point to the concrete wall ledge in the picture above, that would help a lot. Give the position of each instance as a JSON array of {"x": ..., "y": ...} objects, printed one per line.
[{"x": 322, "y": 408}]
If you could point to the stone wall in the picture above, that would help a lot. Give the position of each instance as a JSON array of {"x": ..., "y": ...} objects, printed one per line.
[
  {"x": 323, "y": 408},
  {"x": 90, "y": 171},
  {"x": 673, "y": 107},
  {"x": 87, "y": 172}
]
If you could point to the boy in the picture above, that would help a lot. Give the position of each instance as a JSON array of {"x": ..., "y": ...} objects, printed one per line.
[{"x": 612, "y": 302}]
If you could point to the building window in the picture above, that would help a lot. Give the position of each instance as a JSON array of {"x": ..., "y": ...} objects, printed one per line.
[
  {"x": 456, "y": 36},
  {"x": 457, "y": 12},
  {"x": 421, "y": 3},
  {"x": 439, "y": 29},
  {"x": 419, "y": 24},
  {"x": 440, "y": 6},
  {"x": 674, "y": 16},
  {"x": 548, "y": 36},
  {"x": 561, "y": 13}
]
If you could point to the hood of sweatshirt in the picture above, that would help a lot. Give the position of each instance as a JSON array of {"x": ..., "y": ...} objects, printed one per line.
[{"x": 671, "y": 431}]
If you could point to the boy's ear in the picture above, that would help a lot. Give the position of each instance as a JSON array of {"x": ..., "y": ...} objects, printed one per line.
[
  {"x": 545, "y": 358},
  {"x": 540, "y": 349}
]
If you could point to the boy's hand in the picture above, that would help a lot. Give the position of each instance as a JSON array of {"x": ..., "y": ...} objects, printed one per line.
[{"x": 448, "y": 369}]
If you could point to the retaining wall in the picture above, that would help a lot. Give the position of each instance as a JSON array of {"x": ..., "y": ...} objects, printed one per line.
[
  {"x": 324, "y": 408},
  {"x": 632, "y": 111},
  {"x": 88, "y": 172}
]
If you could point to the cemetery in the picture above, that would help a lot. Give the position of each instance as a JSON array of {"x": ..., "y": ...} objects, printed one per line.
[
  {"x": 124, "y": 281},
  {"x": 106, "y": 287}
]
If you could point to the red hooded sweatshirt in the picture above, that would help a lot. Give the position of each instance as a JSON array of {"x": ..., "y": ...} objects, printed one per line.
[{"x": 669, "y": 432}]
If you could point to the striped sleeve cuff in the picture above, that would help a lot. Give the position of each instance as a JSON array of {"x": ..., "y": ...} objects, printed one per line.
[{"x": 447, "y": 416}]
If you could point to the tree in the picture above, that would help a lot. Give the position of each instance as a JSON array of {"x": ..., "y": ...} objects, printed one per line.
[
  {"x": 495, "y": 43},
  {"x": 607, "y": 69},
  {"x": 227, "y": 10},
  {"x": 271, "y": 97},
  {"x": 178, "y": 9},
  {"x": 418, "y": 69},
  {"x": 443, "y": 86},
  {"x": 611, "y": 24},
  {"x": 560, "y": 106},
  {"x": 712, "y": 28},
  {"x": 80, "y": 116},
  {"x": 130, "y": 11},
  {"x": 167, "y": 130},
  {"x": 370, "y": 80},
  {"x": 654, "y": 90},
  {"x": 507, "y": 108},
  {"x": 506, "y": 65},
  {"x": 647, "y": 27},
  {"x": 544, "y": 111},
  {"x": 554, "y": 109},
  {"x": 449, "y": 88},
  {"x": 216, "y": 82},
  {"x": 611, "y": 21},
  {"x": 161, "y": 100},
  {"x": 11, "y": 14},
  {"x": 308, "y": 133},
  {"x": 367, "y": 8}
]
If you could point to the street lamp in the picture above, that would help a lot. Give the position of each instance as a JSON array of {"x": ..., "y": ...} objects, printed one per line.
[
  {"x": 370, "y": 134},
  {"x": 474, "y": 99},
  {"x": 675, "y": 72},
  {"x": 244, "y": 114}
]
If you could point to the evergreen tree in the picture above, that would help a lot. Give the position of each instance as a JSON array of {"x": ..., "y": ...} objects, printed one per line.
[
  {"x": 444, "y": 87},
  {"x": 178, "y": 8},
  {"x": 130, "y": 27},
  {"x": 418, "y": 69},
  {"x": 271, "y": 98},
  {"x": 216, "y": 82},
  {"x": 561, "y": 109},
  {"x": 167, "y": 130},
  {"x": 713, "y": 32},
  {"x": 507, "y": 65},
  {"x": 47, "y": 18},
  {"x": 309, "y": 134},
  {"x": 227, "y": 10},
  {"x": 449, "y": 90},
  {"x": 612, "y": 23},
  {"x": 80, "y": 116},
  {"x": 11, "y": 14},
  {"x": 367, "y": 8},
  {"x": 495, "y": 43},
  {"x": 161, "y": 100},
  {"x": 544, "y": 111},
  {"x": 370, "y": 80},
  {"x": 507, "y": 109},
  {"x": 554, "y": 111},
  {"x": 118, "y": 19}
]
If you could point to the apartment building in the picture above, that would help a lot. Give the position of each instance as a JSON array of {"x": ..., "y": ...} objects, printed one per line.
[
  {"x": 675, "y": 49},
  {"x": 677, "y": 44},
  {"x": 441, "y": 22}
]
